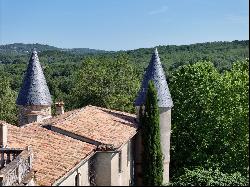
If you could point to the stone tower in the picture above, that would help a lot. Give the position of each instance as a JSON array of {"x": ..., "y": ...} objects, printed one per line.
[
  {"x": 34, "y": 99},
  {"x": 155, "y": 73}
]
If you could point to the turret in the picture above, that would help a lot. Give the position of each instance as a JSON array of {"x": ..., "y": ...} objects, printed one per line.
[
  {"x": 155, "y": 73},
  {"x": 34, "y": 99}
]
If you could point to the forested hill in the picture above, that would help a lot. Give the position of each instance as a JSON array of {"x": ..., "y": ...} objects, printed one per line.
[
  {"x": 22, "y": 49},
  {"x": 221, "y": 54}
]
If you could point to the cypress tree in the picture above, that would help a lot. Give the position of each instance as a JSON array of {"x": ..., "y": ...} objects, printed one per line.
[{"x": 152, "y": 165}]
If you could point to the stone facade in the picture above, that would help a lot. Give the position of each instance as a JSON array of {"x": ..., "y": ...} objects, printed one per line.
[
  {"x": 114, "y": 168},
  {"x": 79, "y": 176},
  {"x": 19, "y": 170},
  {"x": 34, "y": 113},
  {"x": 122, "y": 167},
  {"x": 104, "y": 168},
  {"x": 165, "y": 130}
]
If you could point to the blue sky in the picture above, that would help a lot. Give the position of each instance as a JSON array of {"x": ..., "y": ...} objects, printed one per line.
[{"x": 122, "y": 24}]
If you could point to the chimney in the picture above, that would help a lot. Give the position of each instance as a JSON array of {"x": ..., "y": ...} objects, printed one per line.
[
  {"x": 3, "y": 134},
  {"x": 59, "y": 107}
]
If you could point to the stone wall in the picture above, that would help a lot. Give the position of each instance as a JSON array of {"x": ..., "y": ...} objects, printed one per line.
[
  {"x": 78, "y": 177},
  {"x": 28, "y": 114},
  {"x": 121, "y": 167},
  {"x": 165, "y": 126},
  {"x": 14, "y": 172},
  {"x": 102, "y": 168},
  {"x": 114, "y": 168}
]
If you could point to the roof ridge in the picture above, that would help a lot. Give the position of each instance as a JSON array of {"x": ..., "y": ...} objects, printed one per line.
[{"x": 112, "y": 110}]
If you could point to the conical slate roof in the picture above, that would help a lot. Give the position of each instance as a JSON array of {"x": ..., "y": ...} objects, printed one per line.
[
  {"x": 155, "y": 73},
  {"x": 34, "y": 90}
]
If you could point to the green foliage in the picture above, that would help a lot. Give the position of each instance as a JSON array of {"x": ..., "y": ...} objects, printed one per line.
[
  {"x": 60, "y": 81},
  {"x": 232, "y": 115},
  {"x": 7, "y": 101},
  {"x": 152, "y": 155},
  {"x": 14, "y": 73},
  {"x": 202, "y": 177},
  {"x": 192, "y": 88},
  {"x": 210, "y": 118},
  {"x": 107, "y": 83}
]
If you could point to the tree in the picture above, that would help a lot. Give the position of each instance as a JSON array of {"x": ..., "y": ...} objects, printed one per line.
[
  {"x": 210, "y": 126},
  {"x": 106, "y": 82},
  {"x": 8, "y": 110},
  {"x": 232, "y": 115},
  {"x": 203, "y": 177},
  {"x": 152, "y": 154},
  {"x": 193, "y": 91}
]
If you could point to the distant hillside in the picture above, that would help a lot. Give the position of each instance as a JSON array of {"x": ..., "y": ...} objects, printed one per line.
[
  {"x": 221, "y": 54},
  {"x": 82, "y": 51},
  {"x": 22, "y": 49}
]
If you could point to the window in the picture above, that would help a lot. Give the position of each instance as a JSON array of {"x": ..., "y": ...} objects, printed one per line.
[
  {"x": 128, "y": 152},
  {"x": 120, "y": 161},
  {"x": 77, "y": 179}
]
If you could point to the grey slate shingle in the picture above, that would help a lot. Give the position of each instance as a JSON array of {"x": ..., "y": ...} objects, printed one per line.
[
  {"x": 155, "y": 73},
  {"x": 34, "y": 90}
]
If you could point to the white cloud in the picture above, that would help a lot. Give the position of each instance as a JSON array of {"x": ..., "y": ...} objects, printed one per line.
[{"x": 158, "y": 11}]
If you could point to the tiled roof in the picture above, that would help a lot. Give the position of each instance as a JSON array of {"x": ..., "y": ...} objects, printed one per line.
[
  {"x": 54, "y": 154},
  {"x": 155, "y": 73},
  {"x": 34, "y": 90},
  {"x": 99, "y": 124},
  {"x": 57, "y": 118}
]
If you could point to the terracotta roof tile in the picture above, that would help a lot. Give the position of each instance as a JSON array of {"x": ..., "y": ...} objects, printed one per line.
[
  {"x": 54, "y": 154},
  {"x": 99, "y": 124}
]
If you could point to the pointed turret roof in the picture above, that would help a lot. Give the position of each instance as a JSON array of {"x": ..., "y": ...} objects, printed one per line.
[
  {"x": 155, "y": 73},
  {"x": 34, "y": 90}
]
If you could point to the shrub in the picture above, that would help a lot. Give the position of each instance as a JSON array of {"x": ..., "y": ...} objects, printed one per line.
[{"x": 203, "y": 177}]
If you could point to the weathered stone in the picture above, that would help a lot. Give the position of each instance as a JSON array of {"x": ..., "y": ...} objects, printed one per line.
[
  {"x": 35, "y": 113},
  {"x": 14, "y": 172}
]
